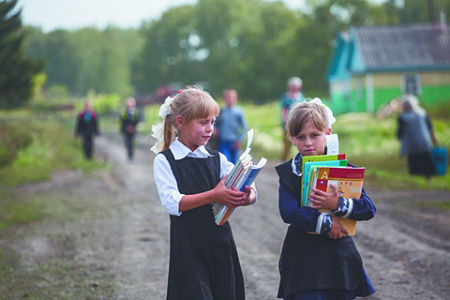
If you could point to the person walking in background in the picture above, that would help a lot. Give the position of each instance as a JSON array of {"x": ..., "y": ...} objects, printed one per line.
[
  {"x": 129, "y": 119},
  {"x": 231, "y": 126},
  {"x": 416, "y": 136},
  {"x": 325, "y": 265},
  {"x": 87, "y": 128},
  {"x": 290, "y": 98},
  {"x": 204, "y": 263}
]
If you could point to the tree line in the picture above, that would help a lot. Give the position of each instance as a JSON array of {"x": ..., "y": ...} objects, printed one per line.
[{"x": 250, "y": 45}]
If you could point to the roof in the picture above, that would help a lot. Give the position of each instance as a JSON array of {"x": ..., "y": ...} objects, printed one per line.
[
  {"x": 371, "y": 49},
  {"x": 407, "y": 46}
]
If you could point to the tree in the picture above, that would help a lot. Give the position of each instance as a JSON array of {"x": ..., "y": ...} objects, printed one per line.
[
  {"x": 63, "y": 60},
  {"x": 16, "y": 70},
  {"x": 104, "y": 66},
  {"x": 166, "y": 56}
]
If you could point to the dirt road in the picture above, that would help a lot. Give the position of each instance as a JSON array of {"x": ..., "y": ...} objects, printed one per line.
[{"x": 107, "y": 237}]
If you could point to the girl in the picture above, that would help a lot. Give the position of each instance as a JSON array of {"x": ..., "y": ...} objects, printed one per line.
[
  {"x": 326, "y": 265},
  {"x": 203, "y": 259}
]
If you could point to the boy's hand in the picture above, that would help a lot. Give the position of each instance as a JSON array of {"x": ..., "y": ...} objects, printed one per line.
[
  {"x": 337, "y": 230},
  {"x": 230, "y": 197},
  {"x": 321, "y": 199}
]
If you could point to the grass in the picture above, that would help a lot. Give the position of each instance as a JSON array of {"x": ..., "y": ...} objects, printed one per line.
[{"x": 52, "y": 147}]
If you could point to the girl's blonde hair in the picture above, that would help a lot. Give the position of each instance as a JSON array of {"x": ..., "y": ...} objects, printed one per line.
[
  {"x": 191, "y": 103},
  {"x": 303, "y": 112}
]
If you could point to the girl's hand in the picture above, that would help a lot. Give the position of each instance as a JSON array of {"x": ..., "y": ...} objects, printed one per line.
[
  {"x": 321, "y": 199},
  {"x": 230, "y": 197},
  {"x": 250, "y": 195},
  {"x": 337, "y": 230}
]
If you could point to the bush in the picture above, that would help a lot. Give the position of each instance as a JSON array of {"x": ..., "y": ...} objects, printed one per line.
[
  {"x": 50, "y": 146},
  {"x": 104, "y": 103},
  {"x": 14, "y": 136}
]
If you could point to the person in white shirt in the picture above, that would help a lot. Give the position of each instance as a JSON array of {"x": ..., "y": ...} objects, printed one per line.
[{"x": 203, "y": 258}]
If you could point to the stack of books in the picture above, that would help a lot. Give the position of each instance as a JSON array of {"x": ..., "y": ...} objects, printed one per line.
[
  {"x": 243, "y": 174},
  {"x": 321, "y": 171}
]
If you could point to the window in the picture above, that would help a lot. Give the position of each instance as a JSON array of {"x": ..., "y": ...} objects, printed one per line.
[{"x": 411, "y": 84}]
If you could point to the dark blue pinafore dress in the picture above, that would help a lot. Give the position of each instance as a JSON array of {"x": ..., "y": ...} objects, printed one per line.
[{"x": 204, "y": 264}]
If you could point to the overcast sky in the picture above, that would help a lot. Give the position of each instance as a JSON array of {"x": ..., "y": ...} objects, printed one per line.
[{"x": 74, "y": 14}]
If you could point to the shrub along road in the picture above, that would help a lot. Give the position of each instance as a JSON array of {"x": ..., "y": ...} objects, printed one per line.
[{"x": 106, "y": 236}]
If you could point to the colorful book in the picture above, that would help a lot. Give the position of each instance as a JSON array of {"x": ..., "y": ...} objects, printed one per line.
[
  {"x": 349, "y": 182},
  {"x": 315, "y": 158},
  {"x": 243, "y": 174},
  {"x": 309, "y": 172}
]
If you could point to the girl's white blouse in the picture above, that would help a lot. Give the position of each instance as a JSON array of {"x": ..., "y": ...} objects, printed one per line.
[{"x": 165, "y": 181}]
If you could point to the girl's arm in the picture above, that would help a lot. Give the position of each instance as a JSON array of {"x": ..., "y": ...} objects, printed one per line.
[
  {"x": 166, "y": 185},
  {"x": 175, "y": 203},
  {"x": 303, "y": 218},
  {"x": 221, "y": 194},
  {"x": 363, "y": 209},
  {"x": 308, "y": 219},
  {"x": 355, "y": 209}
]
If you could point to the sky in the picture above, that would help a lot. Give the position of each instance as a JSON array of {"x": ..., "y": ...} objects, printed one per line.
[{"x": 74, "y": 14}]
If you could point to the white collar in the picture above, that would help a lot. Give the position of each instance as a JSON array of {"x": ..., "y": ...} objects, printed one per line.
[
  {"x": 180, "y": 151},
  {"x": 296, "y": 164}
]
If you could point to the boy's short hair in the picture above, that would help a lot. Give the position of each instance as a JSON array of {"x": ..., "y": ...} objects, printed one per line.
[{"x": 303, "y": 112}]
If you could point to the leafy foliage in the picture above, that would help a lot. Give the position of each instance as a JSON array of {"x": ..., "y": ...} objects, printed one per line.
[
  {"x": 17, "y": 71},
  {"x": 87, "y": 59}
]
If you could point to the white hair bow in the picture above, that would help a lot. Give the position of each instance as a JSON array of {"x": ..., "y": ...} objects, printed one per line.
[
  {"x": 331, "y": 119},
  {"x": 158, "y": 129}
]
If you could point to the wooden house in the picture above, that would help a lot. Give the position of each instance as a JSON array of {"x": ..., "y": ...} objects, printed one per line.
[{"x": 372, "y": 65}]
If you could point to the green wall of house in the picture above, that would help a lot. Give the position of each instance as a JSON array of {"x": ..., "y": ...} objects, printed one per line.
[
  {"x": 435, "y": 94},
  {"x": 356, "y": 102}
]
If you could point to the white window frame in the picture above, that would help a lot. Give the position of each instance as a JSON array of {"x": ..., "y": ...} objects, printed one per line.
[{"x": 417, "y": 82}]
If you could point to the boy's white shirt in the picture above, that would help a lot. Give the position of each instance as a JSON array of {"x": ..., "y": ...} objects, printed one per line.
[{"x": 165, "y": 181}]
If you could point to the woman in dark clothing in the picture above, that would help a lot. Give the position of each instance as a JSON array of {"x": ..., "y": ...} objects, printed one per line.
[{"x": 416, "y": 136}]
